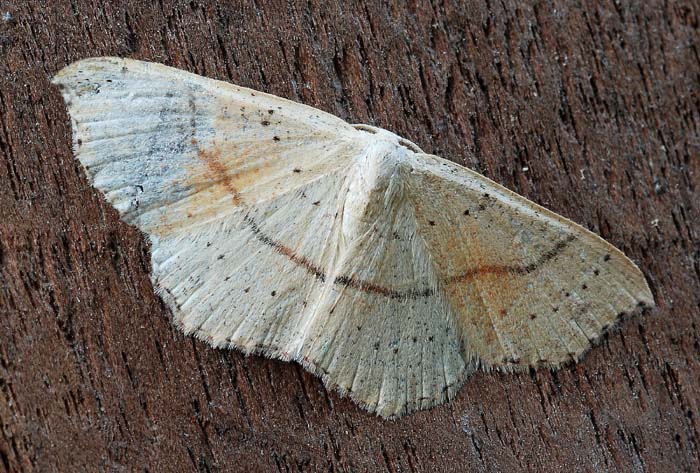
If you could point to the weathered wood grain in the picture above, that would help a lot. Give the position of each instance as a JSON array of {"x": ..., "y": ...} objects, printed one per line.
[{"x": 592, "y": 110}]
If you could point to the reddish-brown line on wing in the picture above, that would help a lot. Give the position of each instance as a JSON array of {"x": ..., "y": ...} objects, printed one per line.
[
  {"x": 515, "y": 269},
  {"x": 219, "y": 172},
  {"x": 285, "y": 250},
  {"x": 366, "y": 286}
]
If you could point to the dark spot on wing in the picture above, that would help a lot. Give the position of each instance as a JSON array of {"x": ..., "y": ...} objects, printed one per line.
[{"x": 265, "y": 123}]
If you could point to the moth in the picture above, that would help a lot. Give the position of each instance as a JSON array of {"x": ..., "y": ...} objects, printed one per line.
[{"x": 279, "y": 229}]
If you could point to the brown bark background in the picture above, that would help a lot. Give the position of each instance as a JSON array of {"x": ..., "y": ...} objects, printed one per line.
[{"x": 599, "y": 100}]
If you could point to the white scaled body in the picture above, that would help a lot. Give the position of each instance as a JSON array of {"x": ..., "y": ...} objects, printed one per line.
[{"x": 279, "y": 229}]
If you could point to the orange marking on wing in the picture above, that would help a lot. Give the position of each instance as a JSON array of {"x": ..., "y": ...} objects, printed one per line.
[
  {"x": 217, "y": 172},
  {"x": 209, "y": 184}
]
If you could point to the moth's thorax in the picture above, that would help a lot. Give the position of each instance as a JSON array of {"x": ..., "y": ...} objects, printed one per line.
[{"x": 375, "y": 182}]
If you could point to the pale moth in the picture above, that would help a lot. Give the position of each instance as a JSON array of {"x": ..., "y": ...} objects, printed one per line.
[{"x": 279, "y": 229}]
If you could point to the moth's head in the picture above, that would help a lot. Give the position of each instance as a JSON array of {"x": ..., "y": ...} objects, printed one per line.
[{"x": 385, "y": 135}]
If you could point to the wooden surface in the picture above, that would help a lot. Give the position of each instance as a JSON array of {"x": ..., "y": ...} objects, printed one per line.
[{"x": 600, "y": 102}]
